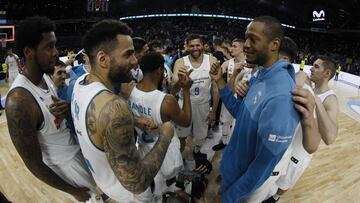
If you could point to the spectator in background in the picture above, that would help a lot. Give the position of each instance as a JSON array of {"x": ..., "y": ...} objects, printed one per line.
[{"x": 13, "y": 64}]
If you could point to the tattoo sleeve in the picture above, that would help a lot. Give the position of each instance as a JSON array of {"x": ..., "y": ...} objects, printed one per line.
[
  {"x": 23, "y": 117},
  {"x": 117, "y": 128}
]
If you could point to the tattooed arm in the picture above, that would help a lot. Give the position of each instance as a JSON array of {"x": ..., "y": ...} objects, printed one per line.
[
  {"x": 116, "y": 125},
  {"x": 24, "y": 118}
]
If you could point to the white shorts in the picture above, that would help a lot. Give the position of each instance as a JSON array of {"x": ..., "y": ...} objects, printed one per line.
[
  {"x": 171, "y": 165},
  {"x": 299, "y": 161},
  {"x": 269, "y": 187},
  {"x": 198, "y": 128},
  {"x": 75, "y": 172}
]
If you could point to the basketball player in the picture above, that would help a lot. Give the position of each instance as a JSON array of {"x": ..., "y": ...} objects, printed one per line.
[
  {"x": 265, "y": 117},
  {"x": 141, "y": 48},
  {"x": 304, "y": 103},
  {"x": 105, "y": 125},
  {"x": 307, "y": 138},
  {"x": 35, "y": 121},
  {"x": 200, "y": 94},
  {"x": 147, "y": 100},
  {"x": 13, "y": 63},
  {"x": 228, "y": 67},
  {"x": 327, "y": 110}
]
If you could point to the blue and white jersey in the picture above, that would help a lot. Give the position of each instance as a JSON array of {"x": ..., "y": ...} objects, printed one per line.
[
  {"x": 95, "y": 158},
  {"x": 200, "y": 90},
  {"x": 147, "y": 104}
]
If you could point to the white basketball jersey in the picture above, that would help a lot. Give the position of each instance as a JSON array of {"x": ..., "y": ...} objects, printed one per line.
[
  {"x": 324, "y": 95},
  {"x": 56, "y": 143},
  {"x": 200, "y": 89},
  {"x": 147, "y": 104},
  {"x": 95, "y": 157}
]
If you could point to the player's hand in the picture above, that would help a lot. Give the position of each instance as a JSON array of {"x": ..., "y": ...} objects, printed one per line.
[
  {"x": 183, "y": 70},
  {"x": 81, "y": 194},
  {"x": 186, "y": 81},
  {"x": 146, "y": 124},
  {"x": 126, "y": 89},
  {"x": 238, "y": 67},
  {"x": 216, "y": 71},
  {"x": 60, "y": 108},
  {"x": 241, "y": 88},
  {"x": 167, "y": 129},
  {"x": 305, "y": 104}
]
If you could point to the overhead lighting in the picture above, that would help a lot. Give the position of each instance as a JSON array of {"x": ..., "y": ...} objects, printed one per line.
[{"x": 194, "y": 15}]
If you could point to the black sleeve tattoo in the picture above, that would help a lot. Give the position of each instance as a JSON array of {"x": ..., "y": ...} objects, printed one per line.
[
  {"x": 22, "y": 115},
  {"x": 117, "y": 128}
]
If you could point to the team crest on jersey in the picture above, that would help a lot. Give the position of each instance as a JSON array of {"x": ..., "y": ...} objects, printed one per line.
[
  {"x": 57, "y": 122},
  {"x": 257, "y": 97}
]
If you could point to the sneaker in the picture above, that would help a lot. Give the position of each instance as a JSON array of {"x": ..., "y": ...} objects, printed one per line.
[
  {"x": 219, "y": 146},
  {"x": 270, "y": 200}
]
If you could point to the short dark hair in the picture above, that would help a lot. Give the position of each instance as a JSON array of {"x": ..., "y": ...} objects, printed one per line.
[
  {"x": 191, "y": 37},
  {"x": 139, "y": 43},
  {"x": 289, "y": 48},
  {"x": 169, "y": 49},
  {"x": 60, "y": 63},
  {"x": 273, "y": 27},
  {"x": 29, "y": 32},
  {"x": 217, "y": 42},
  {"x": 329, "y": 64},
  {"x": 154, "y": 44},
  {"x": 102, "y": 36},
  {"x": 241, "y": 41},
  {"x": 151, "y": 61}
]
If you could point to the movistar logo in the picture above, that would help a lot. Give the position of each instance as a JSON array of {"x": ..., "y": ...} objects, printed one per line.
[{"x": 319, "y": 16}]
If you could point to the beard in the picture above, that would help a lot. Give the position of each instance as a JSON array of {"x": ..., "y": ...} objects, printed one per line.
[
  {"x": 44, "y": 68},
  {"x": 197, "y": 55},
  {"x": 115, "y": 74},
  {"x": 260, "y": 59}
]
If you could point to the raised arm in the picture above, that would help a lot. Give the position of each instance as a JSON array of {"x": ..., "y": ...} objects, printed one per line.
[
  {"x": 170, "y": 109},
  {"x": 116, "y": 125},
  {"x": 178, "y": 70},
  {"x": 305, "y": 104},
  {"x": 24, "y": 118}
]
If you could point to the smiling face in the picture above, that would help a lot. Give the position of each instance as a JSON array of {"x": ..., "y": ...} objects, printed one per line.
[
  {"x": 122, "y": 60},
  {"x": 195, "y": 48},
  {"x": 257, "y": 44}
]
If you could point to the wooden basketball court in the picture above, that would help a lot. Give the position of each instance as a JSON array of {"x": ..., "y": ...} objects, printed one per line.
[{"x": 333, "y": 175}]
